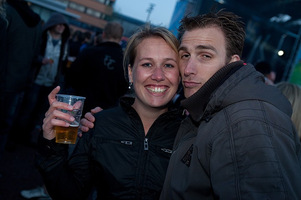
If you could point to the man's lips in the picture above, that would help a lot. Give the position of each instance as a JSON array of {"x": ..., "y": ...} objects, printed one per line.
[{"x": 190, "y": 84}]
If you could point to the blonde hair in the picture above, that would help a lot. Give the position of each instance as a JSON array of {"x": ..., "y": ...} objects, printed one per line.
[
  {"x": 142, "y": 34},
  {"x": 293, "y": 94}
]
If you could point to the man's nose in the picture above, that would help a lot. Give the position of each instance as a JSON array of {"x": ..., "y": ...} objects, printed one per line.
[{"x": 190, "y": 67}]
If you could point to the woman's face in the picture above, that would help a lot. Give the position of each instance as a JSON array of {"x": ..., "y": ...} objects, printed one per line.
[{"x": 155, "y": 73}]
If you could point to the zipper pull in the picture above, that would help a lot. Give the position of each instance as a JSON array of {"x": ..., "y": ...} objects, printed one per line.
[
  {"x": 126, "y": 142},
  {"x": 166, "y": 150},
  {"x": 146, "y": 144}
]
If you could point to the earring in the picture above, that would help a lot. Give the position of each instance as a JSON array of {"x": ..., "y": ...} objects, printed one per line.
[{"x": 130, "y": 85}]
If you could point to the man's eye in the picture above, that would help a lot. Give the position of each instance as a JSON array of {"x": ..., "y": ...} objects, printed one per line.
[
  {"x": 183, "y": 56},
  {"x": 146, "y": 65},
  {"x": 206, "y": 56}
]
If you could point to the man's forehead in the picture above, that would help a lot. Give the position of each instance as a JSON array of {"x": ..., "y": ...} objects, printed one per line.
[{"x": 202, "y": 36}]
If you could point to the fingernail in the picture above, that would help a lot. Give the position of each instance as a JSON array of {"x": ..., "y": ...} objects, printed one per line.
[
  {"x": 72, "y": 118},
  {"x": 70, "y": 107}
]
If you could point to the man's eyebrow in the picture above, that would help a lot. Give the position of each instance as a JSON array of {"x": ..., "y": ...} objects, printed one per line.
[
  {"x": 181, "y": 48},
  {"x": 210, "y": 47},
  {"x": 199, "y": 47}
]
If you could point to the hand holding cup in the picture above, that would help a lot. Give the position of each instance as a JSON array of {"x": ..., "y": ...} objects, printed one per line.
[{"x": 63, "y": 117}]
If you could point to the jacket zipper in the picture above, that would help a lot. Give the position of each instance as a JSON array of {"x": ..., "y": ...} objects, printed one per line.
[{"x": 145, "y": 144}]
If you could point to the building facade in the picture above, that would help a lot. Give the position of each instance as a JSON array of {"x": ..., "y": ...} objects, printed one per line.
[{"x": 94, "y": 14}]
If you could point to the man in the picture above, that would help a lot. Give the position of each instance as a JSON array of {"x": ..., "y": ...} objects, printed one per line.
[
  {"x": 97, "y": 73},
  {"x": 51, "y": 62},
  {"x": 238, "y": 141},
  {"x": 19, "y": 49}
]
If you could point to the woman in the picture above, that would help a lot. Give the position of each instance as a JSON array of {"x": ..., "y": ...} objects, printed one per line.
[
  {"x": 293, "y": 94},
  {"x": 125, "y": 156}
]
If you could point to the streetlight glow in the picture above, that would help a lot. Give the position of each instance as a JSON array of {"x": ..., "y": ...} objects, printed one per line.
[{"x": 280, "y": 53}]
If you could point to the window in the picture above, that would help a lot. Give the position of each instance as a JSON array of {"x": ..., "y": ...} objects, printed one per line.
[
  {"x": 93, "y": 12},
  {"x": 64, "y": 1},
  {"x": 106, "y": 2},
  {"x": 101, "y": 1},
  {"x": 77, "y": 7}
]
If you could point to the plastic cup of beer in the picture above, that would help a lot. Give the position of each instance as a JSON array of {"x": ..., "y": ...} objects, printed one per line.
[{"x": 68, "y": 135}]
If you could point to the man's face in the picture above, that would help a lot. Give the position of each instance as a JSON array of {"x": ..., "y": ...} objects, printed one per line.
[
  {"x": 202, "y": 53},
  {"x": 59, "y": 29}
]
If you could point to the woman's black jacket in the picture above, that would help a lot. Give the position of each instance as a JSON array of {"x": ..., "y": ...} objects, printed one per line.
[{"x": 115, "y": 157}]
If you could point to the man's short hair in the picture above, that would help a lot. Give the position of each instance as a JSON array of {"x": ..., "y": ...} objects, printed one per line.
[
  {"x": 230, "y": 24},
  {"x": 113, "y": 30}
]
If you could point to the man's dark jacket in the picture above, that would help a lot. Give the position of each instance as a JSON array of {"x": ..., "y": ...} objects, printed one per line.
[
  {"x": 97, "y": 74},
  {"x": 238, "y": 143}
]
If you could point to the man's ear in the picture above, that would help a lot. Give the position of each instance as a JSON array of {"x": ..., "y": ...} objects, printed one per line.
[{"x": 234, "y": 58}]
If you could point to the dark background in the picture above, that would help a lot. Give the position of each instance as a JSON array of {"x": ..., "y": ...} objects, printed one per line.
[{"x": 18, "y": 172}]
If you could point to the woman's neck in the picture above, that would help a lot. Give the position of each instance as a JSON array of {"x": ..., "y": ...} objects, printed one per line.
[{"x": 148, "y": 115}]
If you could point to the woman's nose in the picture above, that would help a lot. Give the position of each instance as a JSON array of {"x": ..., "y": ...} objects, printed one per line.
[{"x": 158, "y": 74}]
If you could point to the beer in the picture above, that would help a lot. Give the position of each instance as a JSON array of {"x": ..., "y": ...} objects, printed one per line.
[{"x": 66, "y": 135}]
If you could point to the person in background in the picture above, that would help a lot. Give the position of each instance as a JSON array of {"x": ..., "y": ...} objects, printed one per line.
[
  {"x": 87, "y": 40},
  {"x": 75, "y": 43},
  {"x": 265, "y": 68},
  {"x": 136, "y": 136},
  {"x": 51, "y": 63},
  {"x": 98, "y": 39},
  {"x": 97, "y": 73},
  {"x": 21, "y": 47},
  {"x": 293, "y": 94},
  {"x": 238, "y": 141}
]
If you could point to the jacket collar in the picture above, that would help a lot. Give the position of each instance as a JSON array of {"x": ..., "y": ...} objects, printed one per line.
[{"x": 197, "y": 103}]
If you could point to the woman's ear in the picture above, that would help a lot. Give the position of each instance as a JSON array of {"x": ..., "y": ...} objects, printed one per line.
[{"x": 130, "y": 71}]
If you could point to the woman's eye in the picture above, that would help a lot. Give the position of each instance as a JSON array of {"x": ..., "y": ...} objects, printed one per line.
[{"x": 169, "y": 65}]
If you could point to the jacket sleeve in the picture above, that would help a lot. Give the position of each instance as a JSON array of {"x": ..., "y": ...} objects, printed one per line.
[
  {"x": 254, "y": 160},
  {"x": 65, "y": 178}
]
